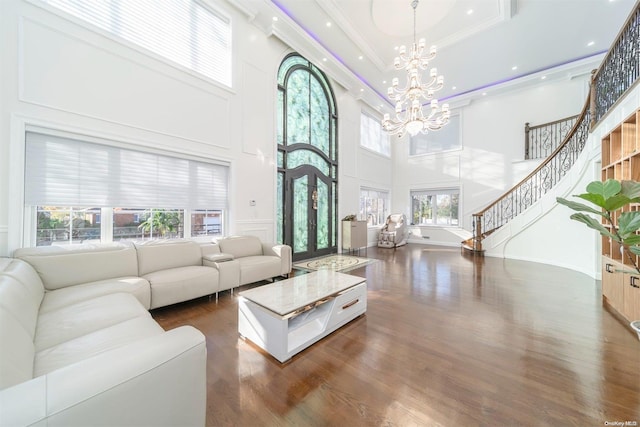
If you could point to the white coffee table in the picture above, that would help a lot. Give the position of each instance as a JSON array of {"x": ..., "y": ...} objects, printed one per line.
[{"x": 285, "y": 317}]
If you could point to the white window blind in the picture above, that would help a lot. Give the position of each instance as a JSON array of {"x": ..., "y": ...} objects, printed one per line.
[
  {"x": 183, "y": 31},
  {"x": 67, "y": 172}
]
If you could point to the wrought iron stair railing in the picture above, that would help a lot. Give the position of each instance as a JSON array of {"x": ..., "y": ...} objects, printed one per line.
[
  {"x": 533, "y": 186},
  {"x": 541, "y": 140},
  {"x": 617, "y": 74}
]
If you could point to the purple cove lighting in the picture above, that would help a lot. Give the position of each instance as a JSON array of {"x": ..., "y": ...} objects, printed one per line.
[
  {"x": 317, "y": 39},
  {"x": 453, "y": 96},
  {"x": 519, "y": 76}
]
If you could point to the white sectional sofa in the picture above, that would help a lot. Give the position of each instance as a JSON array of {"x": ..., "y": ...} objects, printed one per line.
[
  {"x": 85, "y": 354},
  {"x": 79, "y": 347},
  {"x": 158, "y": 272}
]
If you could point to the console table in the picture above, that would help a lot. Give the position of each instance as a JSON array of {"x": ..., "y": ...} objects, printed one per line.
[{"x": 285, "y": 317}]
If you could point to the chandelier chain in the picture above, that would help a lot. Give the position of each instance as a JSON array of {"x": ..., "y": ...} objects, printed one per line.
[{"x": 414, "y": 4}]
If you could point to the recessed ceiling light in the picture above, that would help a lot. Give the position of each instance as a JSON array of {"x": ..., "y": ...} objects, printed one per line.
[
  {"x": 360, "y": 57},
  {"x": 328, "y": 24},
  {"x": 453, "y": 88},
  {"x": 469, "y": 12},
  {"x": 515, "y": 67},
  {"x": 275, "y": 18},
  {"x": 484, "y": 93},
  {"x": 591, "y": 43},
  {"x": 395, "y": 48},
  {"x": 543, "y": 77},
  {"x": 361, "y": 90},
  {"x": 384, "y": 82},
  {"x": 324, "y": 59}
]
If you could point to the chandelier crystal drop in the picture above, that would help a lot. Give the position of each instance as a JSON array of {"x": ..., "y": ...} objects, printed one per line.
[{"x": 410, "y": 116}]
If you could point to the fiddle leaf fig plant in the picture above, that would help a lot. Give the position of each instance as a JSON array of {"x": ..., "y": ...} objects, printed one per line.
[{"x": 610, "y": 197}]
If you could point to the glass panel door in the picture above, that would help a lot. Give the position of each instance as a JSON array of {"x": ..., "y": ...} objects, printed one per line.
[{"x": 301, "y": 214}]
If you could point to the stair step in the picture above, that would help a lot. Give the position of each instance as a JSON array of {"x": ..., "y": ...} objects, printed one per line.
[{"x": 469, "y": 248}]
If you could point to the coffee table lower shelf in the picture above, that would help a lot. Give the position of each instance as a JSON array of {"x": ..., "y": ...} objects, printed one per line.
[{"x": 285, "y": 336}]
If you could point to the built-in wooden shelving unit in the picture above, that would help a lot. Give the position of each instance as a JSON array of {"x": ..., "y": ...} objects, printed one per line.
[{"x": 621, "y": 161}]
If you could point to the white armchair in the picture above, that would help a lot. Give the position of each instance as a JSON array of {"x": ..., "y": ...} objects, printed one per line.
[{"x": 394, "y": 233}]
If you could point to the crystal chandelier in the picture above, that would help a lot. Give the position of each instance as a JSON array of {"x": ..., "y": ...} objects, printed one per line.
[{"x": 409, "y": 116}]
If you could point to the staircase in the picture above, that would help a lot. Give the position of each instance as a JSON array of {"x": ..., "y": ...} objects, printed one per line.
[{"x": 615, "y": 77}]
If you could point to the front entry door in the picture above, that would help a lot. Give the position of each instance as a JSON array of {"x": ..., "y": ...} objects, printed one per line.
[{"x": 308, "y": 219}]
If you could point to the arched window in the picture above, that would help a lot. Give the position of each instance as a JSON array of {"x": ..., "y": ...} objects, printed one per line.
[{"x": 307, "y": 159}]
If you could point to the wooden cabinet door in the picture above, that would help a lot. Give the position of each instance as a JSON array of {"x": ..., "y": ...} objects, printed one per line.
[
  {"x": 612, "y": 284},
  {"x": 631, "y": 291}
]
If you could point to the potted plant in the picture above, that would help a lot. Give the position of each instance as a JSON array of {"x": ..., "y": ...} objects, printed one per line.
[{"x": 610, "y": 197}]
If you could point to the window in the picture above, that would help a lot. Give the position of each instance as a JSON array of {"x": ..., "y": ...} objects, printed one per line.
[
  {"x": 143, "y": 224},
  {"x": 182, "y": 31},
  {"x": 374, "y": 206},
  {"x": 435, "y": 207},
  {"x": 127, "y": 223},
  {"x": 372, "y": 136},
  {"x": 67, "y": 224},
  {"x": 84, "y": 191},
  {"x": 445, "y": 139},
  {"x": 206, "y": 223}
]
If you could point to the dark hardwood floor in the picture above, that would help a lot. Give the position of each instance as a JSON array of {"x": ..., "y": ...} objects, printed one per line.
[{"x": 448, "y": 340}]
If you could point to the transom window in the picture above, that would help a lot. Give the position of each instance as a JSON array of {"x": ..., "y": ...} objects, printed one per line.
[
  {"x": 372, "y": 136},
  {"x": 445, "y": 139},
  {"x": 182, "y": 31},
  {"x": 435, "y": 207}
]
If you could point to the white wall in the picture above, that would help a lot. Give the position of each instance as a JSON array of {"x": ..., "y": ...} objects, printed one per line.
[
  {"x": 359, "y": 166},
  {"x": 491, "y": 160},
  {"x": 58, "y": 73},
  {"x": 546, "y": 233}
]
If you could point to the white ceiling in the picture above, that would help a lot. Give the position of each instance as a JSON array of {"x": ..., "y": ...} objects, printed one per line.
[{"x": 499, "y": 44}]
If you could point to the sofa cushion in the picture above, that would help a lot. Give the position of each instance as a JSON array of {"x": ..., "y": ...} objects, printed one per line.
[
  {"x": 61, "y": 266},
  {"x": 16, "y": 363},
  {"x": 94, "y": 343},
  {"x": 21, "y": 293},
  {"x": 181, "y": 284},
  {"x": 241, "y": 246},
  {"x": 155, "y": 255},
  {"x": 25, "y": 274},
  {"x": 137, "y": 286},
  {"x": 84, "y": 317},
  {"x": 209, "y": 249},
  {"x": 256, "y": 268}
]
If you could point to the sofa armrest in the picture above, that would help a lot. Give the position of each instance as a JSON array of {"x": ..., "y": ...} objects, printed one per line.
[
  {"x": 228, "y": 271},
  {"x": 157, "y": 381},
  {"x": 221, "y": 257},
  {"x": 281, "y": 251}
]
